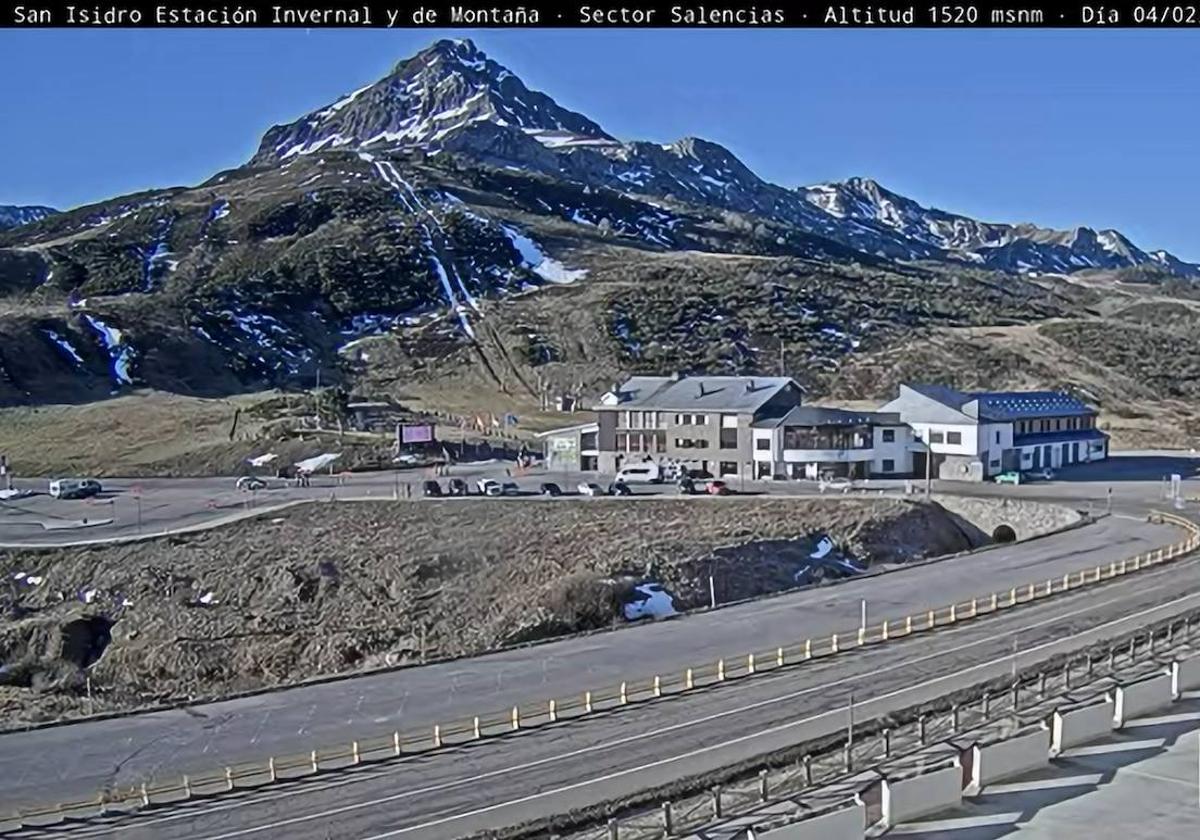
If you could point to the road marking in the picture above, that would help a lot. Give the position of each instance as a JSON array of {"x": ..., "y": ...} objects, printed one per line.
[
  {"x": 956, "y": 823},
  {"x": 273, "y": 796},
  {"x": 1080, "y": 780},
  {"x": 1114, "y": 747}
]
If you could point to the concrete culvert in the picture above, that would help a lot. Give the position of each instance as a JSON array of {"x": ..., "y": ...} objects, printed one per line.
[
  {"x": 84, "y": 639},
  {"x": 1004, "y": 534}
]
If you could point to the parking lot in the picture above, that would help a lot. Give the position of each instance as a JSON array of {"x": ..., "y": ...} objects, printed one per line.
[{"x": 127, "y": 508}]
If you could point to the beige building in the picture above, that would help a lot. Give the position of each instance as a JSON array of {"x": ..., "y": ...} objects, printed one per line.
[{"x": 693, "y": 422}]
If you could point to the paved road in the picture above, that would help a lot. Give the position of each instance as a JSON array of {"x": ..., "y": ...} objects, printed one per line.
[
  {"x": 76, "y": 760},
  {"x": 133, "y": 507},
  {"x": 549, "y": 771}
]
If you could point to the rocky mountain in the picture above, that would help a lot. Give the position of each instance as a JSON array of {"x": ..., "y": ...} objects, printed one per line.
[
  {"x": 447, "y": 218},
  {"x": 452, "y": 98},
  {"x": 12, "y": 216}
]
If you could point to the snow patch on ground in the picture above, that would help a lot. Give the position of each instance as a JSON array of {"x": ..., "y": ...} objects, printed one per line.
[
  {"x": 65, "y": 346},
  {"x": 119, "y": 351},
  {"x": 535, "y": 258}
]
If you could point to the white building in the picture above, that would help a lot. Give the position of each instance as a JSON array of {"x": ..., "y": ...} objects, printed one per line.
[{"x": 974, "y": 436}]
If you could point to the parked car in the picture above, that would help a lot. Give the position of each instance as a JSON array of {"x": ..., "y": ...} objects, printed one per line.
[
  {"x": 835, "y": 484},
  {"x": 74, "y": 488},
  {"x": 489, "y": 487},
  {"x": 619, "y": 488},
  {"x": 458, "y": 487},
  {"x": 587, "y": 488},
  {"x": 250, "y": 483},
  {"x": 432, "y": 488},
  {"x": 717, "y": 488},
  {"x": 549, "y": 488},
  {"x": 510, "y": 488},
  {"x": 647, "y": 472},
  {"x": 1010, "y": 477},
  {"x": 698, "y": 475},
  {"x": 1043, "y": 474}
]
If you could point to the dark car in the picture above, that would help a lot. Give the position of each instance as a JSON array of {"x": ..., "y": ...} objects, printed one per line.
[
  {"x": 458, "y": 487},
  {"x": 619, "y": 488},
  {"x": 432, "y": 488},
  {"x": 549, "y": 488},
  {"x": 699, "y": 475},
  {"x": 686, "y": 486}
]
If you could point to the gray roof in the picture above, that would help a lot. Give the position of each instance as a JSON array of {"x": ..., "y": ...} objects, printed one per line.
[
  {"x": 740, "y": 394},
  {"x": 811, "y": 415}
]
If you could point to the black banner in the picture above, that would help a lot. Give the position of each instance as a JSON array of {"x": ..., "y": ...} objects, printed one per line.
[{"x": 495, "y": 13}]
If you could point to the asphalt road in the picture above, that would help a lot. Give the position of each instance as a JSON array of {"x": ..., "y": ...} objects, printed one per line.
[
  {"x": 74, "y": 761},
  {"x": 507, "y": 781},
  {"x": 130, "y": 508}
]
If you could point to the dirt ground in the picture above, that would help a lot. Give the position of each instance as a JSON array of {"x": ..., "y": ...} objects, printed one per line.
[{"x": 334, "y": 588}]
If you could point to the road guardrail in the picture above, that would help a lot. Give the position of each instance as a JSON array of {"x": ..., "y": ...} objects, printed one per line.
[{"x": 397, "y": 744}]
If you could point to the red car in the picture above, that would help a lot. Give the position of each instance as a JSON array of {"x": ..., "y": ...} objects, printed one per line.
[{"x": 717, "y": 488}]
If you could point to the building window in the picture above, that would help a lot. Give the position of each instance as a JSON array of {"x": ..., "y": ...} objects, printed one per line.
[
  {"x": 683, "y": 419},
  {"x": 997, "y": 436},
  {"x": 995, "y": 462},
  {"x": 700, "y": 419},
  {"x": 954, "y": 438},
  {"x": 729, "y": 468},
  {"x": 936, "y": 437},
  {"x": 622, "y": 442},
  {"x": 889, "y": 465},
  {"x": 729, "y": 438},
  {"x": 700, "y": 444},
  {"x": 762, "y": 444},
  {"x": 889, "y": 436}
]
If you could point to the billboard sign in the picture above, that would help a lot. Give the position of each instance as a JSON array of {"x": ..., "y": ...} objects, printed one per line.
[{"x": 417, "y": 434}]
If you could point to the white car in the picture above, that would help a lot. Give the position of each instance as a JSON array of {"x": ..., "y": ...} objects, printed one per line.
[
  {"x": 836, "y": 484},
  {"x": 249, "y": 483},
  {"x": 587, "y": 488},
  {"x": 489, "y": 487}
]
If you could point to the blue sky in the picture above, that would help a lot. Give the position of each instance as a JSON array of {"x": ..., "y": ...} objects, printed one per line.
[{"x": 1055, "y": 127}]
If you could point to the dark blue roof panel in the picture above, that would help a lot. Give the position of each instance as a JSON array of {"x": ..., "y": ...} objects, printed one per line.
[{"x": 1023, "y": 405}]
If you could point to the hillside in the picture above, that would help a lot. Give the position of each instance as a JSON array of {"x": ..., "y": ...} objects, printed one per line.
[{"x": 448, "y": 235}]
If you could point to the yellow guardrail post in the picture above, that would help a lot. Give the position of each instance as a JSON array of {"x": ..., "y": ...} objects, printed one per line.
[
  {"x": 689, "y": 681},
  {"x": 808, "y": 648},
  {"x": 312, "y": 758},
  {"x": 862, "y": 636},
  {"x": 587, "y": 702},
  {"x": 750, "y": 663},
  {"x": 908, "y": 625},
  {"x": 974, "y": 607},
  {"x": 437, "y": 736},
  {"x": 995, "y": 602},
  {"x": 883, "y": 632},
  {"x": 953, "y": 614},
  {"x": 552, "y": 710},
  {"x": 271, "y": 774},
  {"x": 930, "y": 620},
  {"x": 624, "y": 694},
  {"x": 1012, "y": 597},
  {"x": 475, "y": 727},
  {"x": 228, "y": 778},
  {"x": 1032, "y": 592},
  {"x": 720, "y": 670},
  {"x": 516, "y": 717},
  {"x": 779, "y": 657},
  {"x": 833, "y": 643},
  {"x": 657, "y": 686},
  {"x": 396, "y": 742},
  {"x": 355, "y": 757}
]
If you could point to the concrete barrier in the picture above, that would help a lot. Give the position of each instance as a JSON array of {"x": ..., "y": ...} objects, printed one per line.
[
  {"x": 918, "y": 796},
  {"x": 1138, "y": 698},
  {"x": 841, "y": 824},
  {"x": 1080, "y": 725},
  {"x": 1185, "y": 675},
  {"x": 1008, "y": 758}
]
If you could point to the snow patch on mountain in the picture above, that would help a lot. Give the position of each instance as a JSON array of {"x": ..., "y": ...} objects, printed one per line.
[{"x": 549, "y": 269}]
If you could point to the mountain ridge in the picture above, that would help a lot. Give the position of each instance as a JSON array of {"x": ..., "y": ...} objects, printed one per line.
[
  {"x": 16, "y": 215},
  {"x": 451, "y": 97}
]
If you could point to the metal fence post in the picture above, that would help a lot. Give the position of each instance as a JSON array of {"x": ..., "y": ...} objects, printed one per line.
[
  {"x": 764, "y": 789},
  {"x": 987, "y": 705},
  {"x": 613, "y": 828},
  {"x": 921, "y": 729},
  {"x": 806, "y": 764},
  {"x": 312, "y": 758},
  {"x": 716, "y": 802},
  {"x": 1042, "y": 684},
  {"x": 954, "y": 716},
  {"x": 887, "y": 743},
  {"x": 668, "y": 825}
]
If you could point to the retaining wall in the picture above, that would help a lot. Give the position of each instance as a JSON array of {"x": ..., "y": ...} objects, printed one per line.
[
  {"x": 1186, "y": 675},
  {"x": 1080, "y": 725},
  {"x": 917, "y": 796},
  {"x": 1138, "y": 698},
  {"x": 842, "y": 824},
  {"x": 1026, "y": 518},
  {"x": 1010, "y": 757}
]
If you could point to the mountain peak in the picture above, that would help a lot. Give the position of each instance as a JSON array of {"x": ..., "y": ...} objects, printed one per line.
[{"x": 429, "y": 102}]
